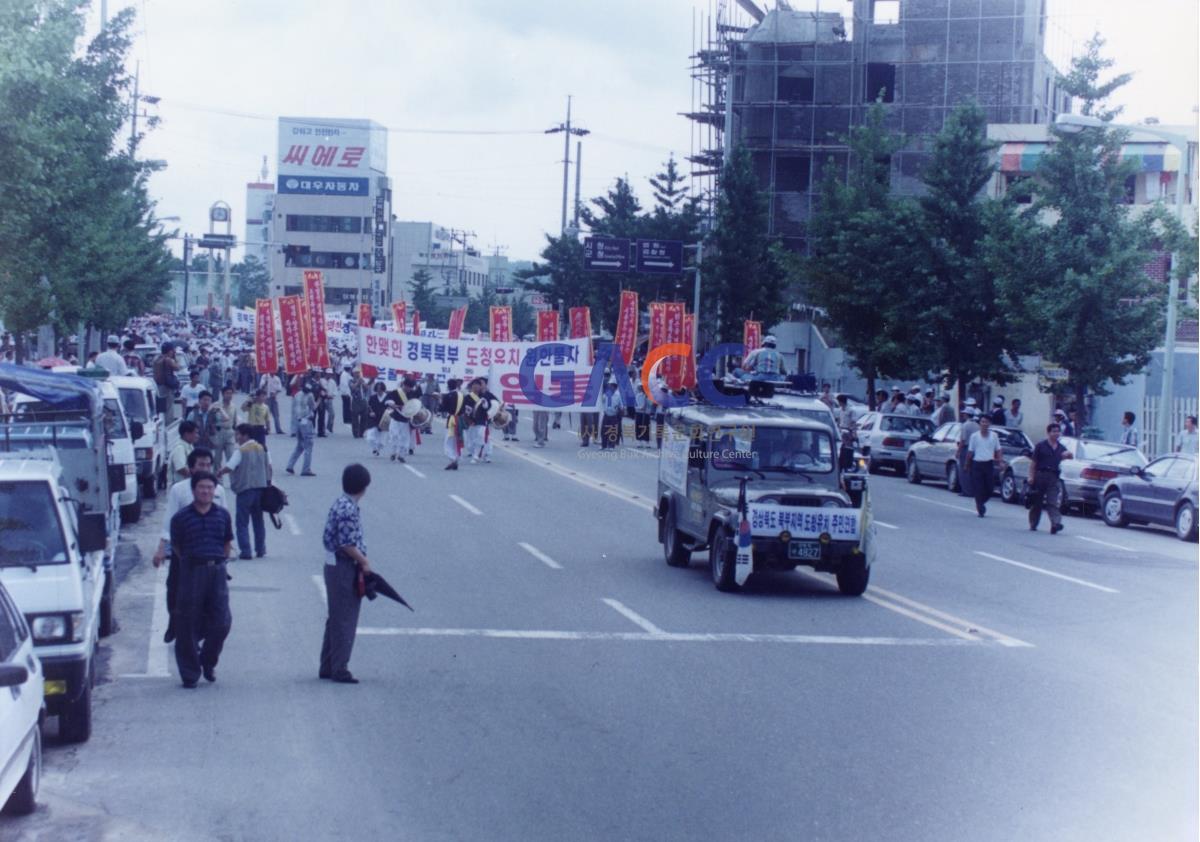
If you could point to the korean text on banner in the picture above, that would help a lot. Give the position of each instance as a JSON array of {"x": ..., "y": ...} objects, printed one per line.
[
  {"x": 400, "y": 315},
  {"x": 457, "y": 316},
  {"x": 672, "y": 367},
  {"x": 547, "y": 325},
  {"x": 265, "y": 358},
  {"x": 365, "y": 320},
  {"x": 657, "y": 326},
  {"x": 314, "y": 296},
  {"x": 627, "y": 325},
  {"x": 689, "y": 362},
  {"x": 242, "y": 319},
  {"x": 291, "y": 327},
  {"x": 751, "y": 335},
  {"x": 581, "y": 328},
  {"x": 305, "y": 325},
  {"x": 500, "y": 324}
]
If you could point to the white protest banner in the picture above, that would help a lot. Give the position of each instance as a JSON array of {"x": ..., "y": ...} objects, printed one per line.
[{"x": 242, "y": 319}]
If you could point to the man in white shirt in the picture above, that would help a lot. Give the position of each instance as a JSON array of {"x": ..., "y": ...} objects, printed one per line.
[
  {"x": 1014, "y": 417},
  {"x": 112, "y": 359},
  {"x": 273, "y": 386},
  {"x": 986, "y": 457},
  {"x": 189, "y": 395},
  {"x": 344, "y": 391}
]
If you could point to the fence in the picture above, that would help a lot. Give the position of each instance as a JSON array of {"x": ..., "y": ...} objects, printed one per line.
[{"x": 1180, "y": 408}]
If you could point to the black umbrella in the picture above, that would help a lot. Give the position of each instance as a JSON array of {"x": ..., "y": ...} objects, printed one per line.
[{"x": 376, "y": 585}]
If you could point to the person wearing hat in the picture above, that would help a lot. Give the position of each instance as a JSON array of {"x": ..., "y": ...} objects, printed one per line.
[
  {"x": 641, "y": 410},
  {"x": 132, "y": 361},
  {"x": 943, "y": 412},
  {"x": 1060, "y": 417},
  {"x": 111, "y": 359},
  {"x": 611, "y": 409},
  {"x": 968, "y": 428},
  {"x": 765, "y": 361},
  {"x": 996, "y": 416}
]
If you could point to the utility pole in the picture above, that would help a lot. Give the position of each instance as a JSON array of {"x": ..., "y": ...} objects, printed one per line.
[
  {"x": 567, "y": 131},
  {"x": 187, "y": 266},
  {"x": 578, "y": 172}
]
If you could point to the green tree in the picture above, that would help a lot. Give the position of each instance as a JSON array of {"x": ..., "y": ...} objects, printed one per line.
[
  {"x": 560, "y": 277},
  {"x": 253, "y": 281},
  {"x": 421, "y": 293},
  {"x": 743, "y": 271},
  {"x": 1071, "y": 268}
]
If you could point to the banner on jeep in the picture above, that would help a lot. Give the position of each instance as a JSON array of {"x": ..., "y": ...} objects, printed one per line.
[{"x": 767, "y": 519}]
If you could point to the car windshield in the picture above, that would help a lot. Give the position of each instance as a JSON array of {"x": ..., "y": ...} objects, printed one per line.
[
  {"x": 1114, "y": 454},
  {"x": 906, "y": 424},
  {"x": 773, "y": 449},
  {"x": 134, "y": 401},
  {"x": 114, "y": 421},
  {"x": 1013, "y": 439},
  {"x": 29, "y": 524}
]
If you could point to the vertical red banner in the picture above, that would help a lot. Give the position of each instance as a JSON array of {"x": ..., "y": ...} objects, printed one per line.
[
  {"x": 689, "y": 363},
  {"x": 416, "y": 324},
  {"x": 291, "y": 327},
  {"x": 581, "y": 328},
  {"x": 265, "y": 356},
  {"x": 751, "y": 336},
  {"x": 500, "y": 324},
  {"x": 672, "y": 367},
  {"x": 400, "y": 316},
  {"x": 547, "y": 325},
  {"x": 365, "y": 319},
  {"x": 457, "y": 317},
  {"x": 657, "y": 328},
  {"x": 314, "y": 297},
  {"x": 627, "y": 325}
]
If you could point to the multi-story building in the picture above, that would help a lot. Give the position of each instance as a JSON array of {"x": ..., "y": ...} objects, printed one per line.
[
  {"x": 333, "y": 207},
  {"x": 443, "y": 252},
  {"x": 790, "y": 85},
  {"x": 260, "y": 207}
]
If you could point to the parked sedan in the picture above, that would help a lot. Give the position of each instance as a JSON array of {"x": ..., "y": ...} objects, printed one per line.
[
  {"x": 1083, "y": 477},
  {"x": 1163, "y": 492},
  {"x": 934, "y": 458},
  {"x": 21, "y": 709},
  {"x": 884, "y": 438}
]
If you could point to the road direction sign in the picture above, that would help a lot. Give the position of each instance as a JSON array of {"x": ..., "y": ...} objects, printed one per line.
[
  {"x": 660, "y": 256},
  {"x": 606, "y": 254}
]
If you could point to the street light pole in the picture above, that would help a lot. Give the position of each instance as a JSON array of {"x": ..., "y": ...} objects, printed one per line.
[{"x": 567, "y": 131}]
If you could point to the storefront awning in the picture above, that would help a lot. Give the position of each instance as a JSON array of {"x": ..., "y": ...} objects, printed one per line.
[{"x": 1150, "y": 157}]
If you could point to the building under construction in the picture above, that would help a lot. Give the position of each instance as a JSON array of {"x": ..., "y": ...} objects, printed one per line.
[{"x": 789, "y": 83}]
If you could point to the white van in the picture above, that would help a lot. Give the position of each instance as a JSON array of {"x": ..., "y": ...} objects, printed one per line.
[
  {"x": 138, "y": 399},
  {"x": 21, "y": 709}
]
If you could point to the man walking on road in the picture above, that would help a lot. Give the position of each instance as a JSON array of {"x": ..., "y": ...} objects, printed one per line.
[
  {"x": 1044, "y": 488},
  {"x": 250, "y": 466},
  {"x": 345, "y": 558},
  {"x": 986, "y": 456},
  {"x": 969, "y": 427},
  {"x": 304, "y": 412},
  {"x": 202, "y": 538}
]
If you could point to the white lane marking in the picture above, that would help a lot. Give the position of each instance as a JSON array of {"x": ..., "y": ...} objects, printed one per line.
[
  {"x": 1045, "y": 572},
  {"x": 319, "y": 581},
  {"x": 939, "y": 503},
  {"x": 583, "y": 479},
  {"x": 156, "y": 653},
  {"x": 413, "y": 470},
  {"x": 292, "y": 526},
  {"x": 671, "y": 637},
  {"x": 465, "y": 504},
  {"x": 972, "y": 628},
  {"x": 885, "y": 525},
  {"x": 539, "y": 555},
  {"x": 1104, "y": 543},
  {"x": 633, "y": 617}
]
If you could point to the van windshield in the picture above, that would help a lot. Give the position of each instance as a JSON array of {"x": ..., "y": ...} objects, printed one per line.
[
  {"x": 134, "y": 401},
  {"x": 30, "y": 526},
  {"x": 114, "y": 420}
]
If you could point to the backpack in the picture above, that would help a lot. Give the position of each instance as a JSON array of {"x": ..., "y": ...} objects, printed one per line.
[{"x": 272, "y": 502}]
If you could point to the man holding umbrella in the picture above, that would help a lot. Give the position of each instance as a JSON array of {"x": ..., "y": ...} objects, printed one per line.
[{"x": 346, "y": 555}]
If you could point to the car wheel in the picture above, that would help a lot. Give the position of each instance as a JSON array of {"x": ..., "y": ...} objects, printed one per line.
[
  {"x": 722, "y": 561},
  {"x": 673, "y": 550},
  {"x": 23, "y": 800},
  {"x": 1113, "y": 510},
  {"x": 1185, "y": 522},
  {"x": 852, "y": 578},
  {"x": 133, "y": 512},
  {"x": 75, "y": 722},
  {"x": 872, "y": 465},
  {"x": 952, "y": 478},
  {"x": 912, "y": 471},
  {"x": 106, "y": 606},
  {"x": 1008, "y": 488}
]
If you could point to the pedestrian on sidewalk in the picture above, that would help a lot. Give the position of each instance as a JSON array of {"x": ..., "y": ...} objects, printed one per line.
[
  {"x": 986, "y": 456},
  {"x": 1129, "y": 433},
  {"x": 304, "y": 419},
  {"x": 1188, "y": 441},
  {"x": 202, "y": 537},
  {"x": 250, "y": 466},
  {"x": 345, "y": 559},
  {"x": 1045, "y": 489}
]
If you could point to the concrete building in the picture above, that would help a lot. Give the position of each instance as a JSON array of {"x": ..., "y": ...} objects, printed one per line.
[
  {"x": 443, "y": 252},
  {"x": 260, "y": 208},
  {"x": 333, "y": 207}
]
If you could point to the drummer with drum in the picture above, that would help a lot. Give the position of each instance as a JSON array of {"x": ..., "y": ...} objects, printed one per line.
[{"x": 404, "y": 409}]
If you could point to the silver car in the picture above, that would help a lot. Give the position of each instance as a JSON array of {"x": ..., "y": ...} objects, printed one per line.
[
  {"x": 1083, "y": 477},
  {"x": 934, "y": 458},
  {"x": 884, "y": 438}
]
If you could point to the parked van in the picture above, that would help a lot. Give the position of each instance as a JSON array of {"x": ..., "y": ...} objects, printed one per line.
[
  {"x": 138, "y": 399},
  {"x": 21, "y": 710}
]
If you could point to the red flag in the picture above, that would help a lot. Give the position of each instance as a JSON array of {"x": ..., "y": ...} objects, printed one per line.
[
  {"x": 672, "y": 367},
  {"x": 547, "y": 324},
  {"x": 400, "y": 315},
  {"x": 627, "y": 325},
  {"x": 416, "y": 323},
  {"x": 457, "y": 317},
  {"x": 365, "y": 320},
  {"x": 265, "y": 357},
  {"x": 751, "y": 336},
  {"x": 500, "y": 324},
  {"x": 314, "y": 296},
  {"x": 689, "y": 362},
  {"x": 657, "y": 327},
  {"x": 291, "y": 326},
  {"x": 581, "y": 328}
]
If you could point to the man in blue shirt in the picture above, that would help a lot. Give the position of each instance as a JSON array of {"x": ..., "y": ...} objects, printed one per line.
[
  {"x": 345, "y": 556},
  {"x": 1044, "y": 486},
  {"x": 612, "y": 410}
]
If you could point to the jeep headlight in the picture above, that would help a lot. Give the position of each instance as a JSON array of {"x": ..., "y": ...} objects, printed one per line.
[
  {"x": 57, "y": 628},
  {"x": 832, "y": 503}
]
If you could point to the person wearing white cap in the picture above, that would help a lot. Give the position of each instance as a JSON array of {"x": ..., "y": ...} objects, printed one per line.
[
  {"x": 111, "y": 360},
  {"x": 997, "y": 414},
  {"x": 1068, "y": 429},
  {"x": 965, "y": 431}
]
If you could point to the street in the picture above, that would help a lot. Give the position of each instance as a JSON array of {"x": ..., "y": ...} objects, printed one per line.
[{"x": 559, "y": 681}]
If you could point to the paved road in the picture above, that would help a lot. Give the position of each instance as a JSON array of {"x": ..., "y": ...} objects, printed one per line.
[{"x": 559, "y": 681}]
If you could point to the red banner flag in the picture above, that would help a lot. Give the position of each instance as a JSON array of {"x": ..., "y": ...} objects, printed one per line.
[
  {"x": 581, "y": 328},
  {"x": 751, "y": 336},
  {"x": 547, "y": 325},
  {"x": 365, "y": 319},
  {"x": 457, "y": 316},
  {"x": 314, "y": 297},
  {"x": 689, "y": 363},
  {"x": 305, "y": 326},
  {"x": 500, "y": 324},
  {"x": 657, "y": 327},
  {"x": 265, "y": 356},
  {"x": 672, "y": 367},
  {"x": 291, "y": 326},
  {"x": 416, "y": 331},
  {"x": 627, "y": 325},
  {"x": 400, "y": 315}
]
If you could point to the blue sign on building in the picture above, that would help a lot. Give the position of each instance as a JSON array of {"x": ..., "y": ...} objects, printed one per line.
[{"x": 315, "y": 185}]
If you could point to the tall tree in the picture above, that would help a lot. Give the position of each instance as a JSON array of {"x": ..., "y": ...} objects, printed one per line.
[
  {"x": 1077, "y": 284},
  {"x": 560, "y": 277},
  {"x": 253, "y": 281},
  {"x": 421, "y": 292}
]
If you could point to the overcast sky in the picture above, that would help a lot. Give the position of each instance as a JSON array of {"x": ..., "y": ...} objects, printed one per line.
[{"x": 225, "y": 69}]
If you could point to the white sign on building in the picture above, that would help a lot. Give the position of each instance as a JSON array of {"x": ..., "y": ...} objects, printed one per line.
[{"x": 333, "y": 148}]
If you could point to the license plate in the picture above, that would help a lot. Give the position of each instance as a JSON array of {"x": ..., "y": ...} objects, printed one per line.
[
  {"x": 804, "y": 550},
  {"x": 55, "y": 688}
]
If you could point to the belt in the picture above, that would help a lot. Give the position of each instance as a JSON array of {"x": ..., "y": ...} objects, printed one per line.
[{"x": 205, "y": 562}]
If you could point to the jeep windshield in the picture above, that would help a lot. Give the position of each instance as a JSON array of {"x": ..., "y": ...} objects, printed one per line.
[
  {"x": 767, "y": 449},
  {"x": 29, "y": 524}
]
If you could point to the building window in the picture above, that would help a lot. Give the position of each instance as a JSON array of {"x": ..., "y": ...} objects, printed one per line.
[
  {"x": 792, "y": 174},
  {"x": 1020, "y": 192},
  {"x": 1131, "y": 190},
  {"x": 885, "y": 11},
  {"x": 795, "y": 88},
  {"x": 303, "y": 257},
  {"x": 324, "y": 224},
  {"x": 881, "y": 82}
]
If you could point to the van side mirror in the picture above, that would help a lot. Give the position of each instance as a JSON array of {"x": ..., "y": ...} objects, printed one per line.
[
  {"x": 93, "y": 532},
  {"x": 13, "y": 675},
  {"x": 136, "y": 429}
]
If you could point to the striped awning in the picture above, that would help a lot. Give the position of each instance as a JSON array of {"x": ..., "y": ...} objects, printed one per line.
[{"x": 1150, "y": 157}]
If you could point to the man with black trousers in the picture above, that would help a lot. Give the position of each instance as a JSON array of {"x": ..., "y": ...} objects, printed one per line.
[
  {"x": 345, "y": 557},
  {"x": 1044, "y": 486},
  {"x": 983, "y": 450},
  {"x": 202, "y": 538}
]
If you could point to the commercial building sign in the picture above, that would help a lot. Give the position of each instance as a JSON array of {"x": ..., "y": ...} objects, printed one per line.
[
  {"x": 322, "y": 186},
  {"x": 335, "y": 148}
]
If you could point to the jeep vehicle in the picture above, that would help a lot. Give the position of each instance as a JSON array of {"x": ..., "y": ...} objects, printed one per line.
[{"x": 760, "y": 488}]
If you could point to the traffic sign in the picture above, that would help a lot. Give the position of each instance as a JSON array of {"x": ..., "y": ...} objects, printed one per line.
[
  {"x": 660, "y": 256},
  {"x": 217, "y": 241},
  {"x": 539, "y": 302},
  {"x": 606, "y": 254}
]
